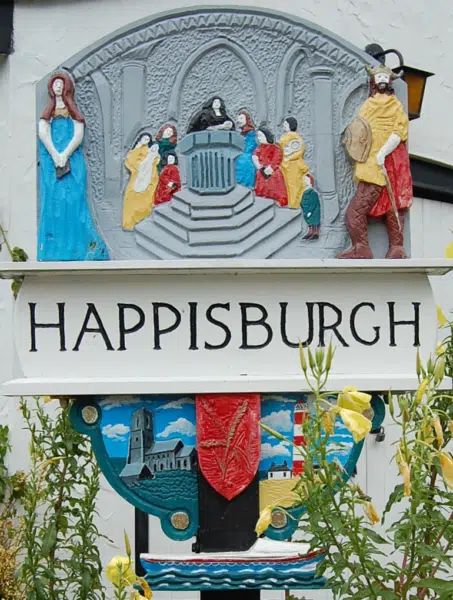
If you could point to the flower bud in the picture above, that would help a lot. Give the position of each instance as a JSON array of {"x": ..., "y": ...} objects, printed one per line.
[
  {"x": 330, "y": 355},
  {"x": 437, "y": 426},
  {"x": 311, "y": 359},
  {"x": 439, "y": 369},
  {"x": 264, "y": 521},
  {"x": 418, "y": 364},
  {"x": 421, "y": 391},
  {"x": 319, "y": 358},
  {"x": 303, "y": 360},
  {"x": 441, "y": 318}
]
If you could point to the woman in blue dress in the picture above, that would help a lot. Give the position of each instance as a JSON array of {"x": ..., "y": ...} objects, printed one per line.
[
  {"x": 66, "y": 230},
  {"x": 245, "y": 169}
]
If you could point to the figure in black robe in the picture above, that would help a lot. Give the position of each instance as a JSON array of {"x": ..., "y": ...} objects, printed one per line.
[{"x": 213, "y": 115}]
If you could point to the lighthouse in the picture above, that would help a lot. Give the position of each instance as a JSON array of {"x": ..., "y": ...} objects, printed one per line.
[{"x": 301, "y": 413}]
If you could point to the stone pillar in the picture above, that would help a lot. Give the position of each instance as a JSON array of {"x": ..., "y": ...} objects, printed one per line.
[{"x": 324, "y": 141}]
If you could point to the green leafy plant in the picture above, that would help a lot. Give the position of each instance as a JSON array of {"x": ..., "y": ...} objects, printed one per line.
[
  {"x": 60, "y": 556},
  {"x": 17, "y": 255},
  {"x": 410, "y": 556},
  {"x": 11, "y": 492}
]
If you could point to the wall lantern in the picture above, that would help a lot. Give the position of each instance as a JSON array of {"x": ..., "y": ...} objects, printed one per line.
[{"x": 414, "y": 78}]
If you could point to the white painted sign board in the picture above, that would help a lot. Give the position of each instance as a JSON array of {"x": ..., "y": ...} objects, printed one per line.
[{"x": 219, "y": 330}]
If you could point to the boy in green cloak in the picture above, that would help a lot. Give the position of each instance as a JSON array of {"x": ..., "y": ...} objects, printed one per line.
[{"x": 311, "y": 209}]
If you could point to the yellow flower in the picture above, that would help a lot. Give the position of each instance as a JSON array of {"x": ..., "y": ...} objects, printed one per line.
[
  {"x": 328, "y": 421},
  {"x": 371, "y": 513},
  {"x": 145, "y": 587},
  {"x": 438, "y": 429},
  {"x": 404, "y": 472},
  {"x": 352, "y": 399},
  {"x": 441, "y": 318},
  {"x": 446, "y": 463},
  {"x": 357, "y": 424},
  {"x": 48, "y": 399},
  {"x": 449, "y": 250},
  {"x": 120, "y": 567},
  {"x": 264, "y": 520},
  {"x": 421, "y": 391}
]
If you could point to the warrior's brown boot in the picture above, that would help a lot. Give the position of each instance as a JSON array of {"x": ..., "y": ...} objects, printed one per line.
[
  {"x": 365, "y": 198},
  {"x": 396, "y": 236}
]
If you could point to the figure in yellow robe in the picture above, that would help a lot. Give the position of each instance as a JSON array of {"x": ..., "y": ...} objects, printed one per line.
[
  {"x": 293, "y": 165},
  {"x": 142, "y": 163}
]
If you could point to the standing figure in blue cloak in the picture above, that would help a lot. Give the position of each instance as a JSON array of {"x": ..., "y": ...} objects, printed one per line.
[
  {"x": 245, "y": 168},
  {"x": 66, "y": 230},
  {"x": 311, "y": 208}
]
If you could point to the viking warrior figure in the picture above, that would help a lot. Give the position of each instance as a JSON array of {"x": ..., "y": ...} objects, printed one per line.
[{"x": 376, "y": 142}]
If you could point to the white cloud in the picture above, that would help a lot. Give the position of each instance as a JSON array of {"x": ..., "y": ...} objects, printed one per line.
[
  {"x": 117, "y": 401},
  {"x": 279, "y": 420},
  {"x": 181, "y": 425},
  {"x": 276, "y": 398},
  {"x": 177, "y": 403},
  {"x": 116, "y": 432},
  {"x": 269, "y": 451}
]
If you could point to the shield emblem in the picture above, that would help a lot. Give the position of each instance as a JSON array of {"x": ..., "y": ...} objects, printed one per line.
[
  {"x": 357, "y": 140},
  {"x": 228, "y": 440}
]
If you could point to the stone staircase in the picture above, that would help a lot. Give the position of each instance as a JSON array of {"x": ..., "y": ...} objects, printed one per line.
[{"x": 236, "y": 224}]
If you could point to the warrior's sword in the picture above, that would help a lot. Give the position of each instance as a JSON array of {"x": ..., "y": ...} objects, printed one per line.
[{"x": 388, "y": 185}]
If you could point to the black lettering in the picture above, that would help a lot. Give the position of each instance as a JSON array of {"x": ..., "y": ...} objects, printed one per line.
[
  {"x": 333, "y": 327},
  {"x": 415, "y": 323},
  {"x": 355, "y": 334},
  {"x": 215, "y": 321},
  {"x": 158, "y": 332},
  {"x": 122, "y": 322},
  {"x": 246, "y": 323},
  {"x": 283, "y": 313},
  {"x": 92, "y": 310},
  {"x": 60, "y": 326},
  {"x": 193, "y": 325}
]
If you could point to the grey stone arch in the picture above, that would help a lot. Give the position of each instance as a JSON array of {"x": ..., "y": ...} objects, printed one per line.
[
  {"x": 220, "y": 42},
  {"x": 322, "y": 118},
  {"x": 285, "y": 80},
  {"x": 358, "y": 87}
]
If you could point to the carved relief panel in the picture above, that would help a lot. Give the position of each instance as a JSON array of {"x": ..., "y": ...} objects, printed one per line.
[{"x": 124, "y": 179}]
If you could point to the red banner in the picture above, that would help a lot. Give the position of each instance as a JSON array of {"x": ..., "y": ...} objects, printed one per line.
[{"x": 228, "y": 440}]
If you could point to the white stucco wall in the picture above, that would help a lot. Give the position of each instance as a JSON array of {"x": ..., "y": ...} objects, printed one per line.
[{"x": 46, "y": 33}]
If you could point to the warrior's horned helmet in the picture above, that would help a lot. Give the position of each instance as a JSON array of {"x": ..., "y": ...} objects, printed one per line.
[{"x": 373, "y": 71}]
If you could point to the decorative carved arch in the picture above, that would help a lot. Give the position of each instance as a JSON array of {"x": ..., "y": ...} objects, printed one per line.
[
  {"x": 255, "y": 74},
  {"x": 354, "y": 86},
  {"x": 284, "y": 92}
]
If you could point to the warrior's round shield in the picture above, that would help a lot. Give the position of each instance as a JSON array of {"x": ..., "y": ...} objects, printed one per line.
[{"x": 357, "y": 140}]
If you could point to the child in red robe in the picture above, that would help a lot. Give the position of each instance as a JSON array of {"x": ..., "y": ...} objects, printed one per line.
[
  {"x": 267, "y": 159},
  {"x": 169, "y": 180}
]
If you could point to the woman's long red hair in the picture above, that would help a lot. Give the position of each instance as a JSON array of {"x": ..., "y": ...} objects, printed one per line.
[
  {"x": 249, "y": 126},
  {"x": 160, "y": 133},
  {"x": 67, "y": 96}
]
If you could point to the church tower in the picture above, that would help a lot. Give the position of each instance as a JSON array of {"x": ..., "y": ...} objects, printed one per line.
[{"x": 142, "y": 435}]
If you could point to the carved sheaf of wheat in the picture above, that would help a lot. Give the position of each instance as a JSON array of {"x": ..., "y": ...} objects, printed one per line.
[
  {"x": 239, "y": 415},
  {"x": 213, "y": 444}
]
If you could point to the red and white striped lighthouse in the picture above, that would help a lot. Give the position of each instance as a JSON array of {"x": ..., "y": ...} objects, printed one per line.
[{"x": 301, "y": 414}]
